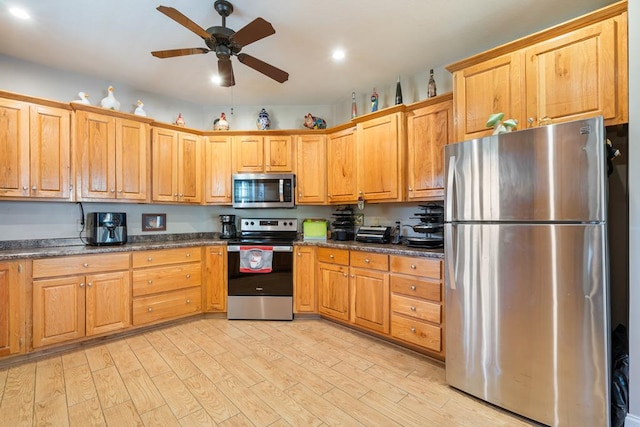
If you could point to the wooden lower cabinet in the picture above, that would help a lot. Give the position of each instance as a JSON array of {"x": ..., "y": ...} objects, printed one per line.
[
  {"x": 304, "y": 273},
  {"x": 12, "y": 308},
  {"x": 216, "y": 278},
  {"x": 80, "y": 296},
  {"x": 333, "y": 290},
  {"x": 167, "y": 284}
]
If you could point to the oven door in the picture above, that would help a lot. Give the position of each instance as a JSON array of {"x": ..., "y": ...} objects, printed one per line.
[{"x": 264, "y": 296}]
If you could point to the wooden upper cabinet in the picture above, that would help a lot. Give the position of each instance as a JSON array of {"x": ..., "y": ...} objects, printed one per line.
[
  {"x": 572, "y": 71},
  {"x": 342, "y": 185},
  {"x": 217, "y": 170},
  {"x": 258, "y": 154},
  {"x": 176, "y": 166},
  {"x": 381, "y": 144},
  {"x": 35, "y": 147},
  {"x": 429, "y": 129},
  {"x": 495, "y": 85},
  {"x": 577, "y": 75},
  {"x": 311, "y": 167},
  {"x": 112, "y": 157}
]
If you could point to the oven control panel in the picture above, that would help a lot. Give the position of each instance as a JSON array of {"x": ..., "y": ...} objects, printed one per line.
[{"x": 269, "y": 224}]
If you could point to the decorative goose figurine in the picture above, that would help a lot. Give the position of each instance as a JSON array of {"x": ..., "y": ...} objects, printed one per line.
[
  {"x": 110, "y": 101},
  {"x": 84, "y": 98},
  {"x": 139, "y": 111}
]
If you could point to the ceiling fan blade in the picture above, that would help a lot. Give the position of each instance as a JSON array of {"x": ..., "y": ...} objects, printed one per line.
[
  {"x": 184, "y": 21},
  {"x": 267, "y": 69},
  {"x": 253, "y": 31},
  {"x": 178, "y": 52},
  {"x": 225, "y": 70}
]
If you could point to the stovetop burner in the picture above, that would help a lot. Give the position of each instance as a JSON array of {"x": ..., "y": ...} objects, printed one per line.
[{"x": 266, "y": 231}]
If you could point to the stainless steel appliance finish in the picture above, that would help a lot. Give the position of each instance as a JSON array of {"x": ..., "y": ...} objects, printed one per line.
[
  {"x": 263, "y": 190},
  {"x": 526, "y": 272},
  {"x": 106, "y": 228},
  {"x": 229, "y": 229},
  {"x": 262, "y": 296}
]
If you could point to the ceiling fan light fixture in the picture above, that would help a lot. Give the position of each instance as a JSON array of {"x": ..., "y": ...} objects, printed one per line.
[
  {"x": 216, "y": 80},
  {"x": 338, "y": 54},
  {"x": 19, "y": 13}
]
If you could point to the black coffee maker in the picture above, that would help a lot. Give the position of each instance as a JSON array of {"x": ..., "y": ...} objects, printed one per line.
[{"x": 228, "y": 226}]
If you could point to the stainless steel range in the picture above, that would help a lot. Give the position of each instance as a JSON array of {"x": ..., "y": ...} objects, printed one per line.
[{"x": 260, "y": 271}]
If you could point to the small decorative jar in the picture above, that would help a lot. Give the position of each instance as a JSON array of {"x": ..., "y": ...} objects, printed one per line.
[{"x": 263, "y": 121}]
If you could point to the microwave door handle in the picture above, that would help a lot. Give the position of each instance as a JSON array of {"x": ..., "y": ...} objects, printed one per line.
[{"x": 281, "y": 188}]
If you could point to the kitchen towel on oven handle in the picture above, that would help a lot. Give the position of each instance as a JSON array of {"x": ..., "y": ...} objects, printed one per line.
[{"x": 256, "y": 259}]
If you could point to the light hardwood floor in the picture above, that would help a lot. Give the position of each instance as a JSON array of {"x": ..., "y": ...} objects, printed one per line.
[{"x": 209, "y": 372}]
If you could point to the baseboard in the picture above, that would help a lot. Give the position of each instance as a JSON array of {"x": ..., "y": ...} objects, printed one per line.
[{"x": 632, "y": 421}]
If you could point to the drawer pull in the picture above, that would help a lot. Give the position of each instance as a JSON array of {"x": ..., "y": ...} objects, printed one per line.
[
  {"x": 188, "y": 254},
  {"x": 149, "y": 281},
  {"x": 149, "y": 259},
  {"x": 413, "y": 287},
  {"x": 413, "y": 267},
  {"x": 413, "y": 308},
  {"x": 85, "y": 265},
  {"x": 331, "y": 256},
  {"x": 366, "y": 260},
  {"x": 188, "y": 301},
  {"x": 260, "y": 289},
  {"x": 413, "y": 330},
  {"x": 150, "y": 309},
  {"x": 188, "y": 276}
]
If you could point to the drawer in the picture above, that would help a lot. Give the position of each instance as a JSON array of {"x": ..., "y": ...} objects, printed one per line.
[
  {"x": 166, "y": 256},
  {"x": 333, "y": 256},
  {"x": 167, "y": 306},
  {"x": 418, "y": 308},
  {"x": 416, "y": 332},
  {"x": 416, "y": 287},
  {"x": 423, "y": 267},
  {"x": 169, "y": 278},
  {"x": 369, "y": 260},
  {"x": 82, "y": 264}
]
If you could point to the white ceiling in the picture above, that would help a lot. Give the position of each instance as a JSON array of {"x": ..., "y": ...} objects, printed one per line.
[{"x": 112, "y": 39}]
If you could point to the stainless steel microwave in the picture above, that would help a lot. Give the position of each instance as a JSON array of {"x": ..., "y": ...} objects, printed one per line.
[{"x": 272, "y": 190}]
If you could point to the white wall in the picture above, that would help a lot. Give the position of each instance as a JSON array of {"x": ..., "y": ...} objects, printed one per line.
[{"x": 633, "y": 420}]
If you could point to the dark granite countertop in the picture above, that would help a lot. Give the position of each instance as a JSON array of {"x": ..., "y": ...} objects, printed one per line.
[{"x": 19, "y": 249}]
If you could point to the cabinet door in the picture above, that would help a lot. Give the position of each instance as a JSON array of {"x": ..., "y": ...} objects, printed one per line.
[
  {"x": 12, "y": 308},
  {"x": 50, "y": 152},
  {"x": 108, "y": 302},
  {"x": 189, "y": 168},
  {"x": 333, "y": 291},
  {"x": 370, "y": 299},
  {"x": 58, "y": 310},
  {"x": 96, "y": 155},
  {"x": 249, "y": 154},
  {"x": 131, "y": 151},
  {"x": 574, "y": 76},
  {"x": 493, "y": 86},
  {"x": 164, "y": 146},
  {"x": 278, "y": 152},
  {"x": 311, "y": 167},
  {"x": 304, "y": 280},
  {"x": 380, "y": 150},
  {"x": 14, "y": 146},
  {"x": 342, "y": 185},
  {"x": 217, "y": 169},
  {"x": 216, "y": 279},
  {"x": 429, "y": 129}
]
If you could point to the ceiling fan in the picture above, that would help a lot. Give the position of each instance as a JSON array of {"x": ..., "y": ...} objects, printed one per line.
[{"x": 225, "y": 43}]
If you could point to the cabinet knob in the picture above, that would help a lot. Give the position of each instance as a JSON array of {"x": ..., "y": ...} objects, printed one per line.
[
  {"x": 25, "y": 188},
  {"x": 530, "y": 120},
  {"x": 188, "y": 276},
  {"x": 150, "y": 309},
  {"x": 113, "y": 190},
  {"x": 331, "y": 256},
  {"x": 188, "y": 254},
  {"x": 119, "y": 191},
  {"x": 81, "y": 285},
  {"x": 34, "y": 188},
  {"x": 410, "y": 188},
  {"x": 366, "y": 260},
  {"x": 149, "y": 281},
  {"x": 299, "y": 254},
  {"x": 175, "y": 194},
  {"x": 89, "y": 284},
  {"x": 181, "y": 195},
  {"x": 188, "y": 301},
  {"x": 344, "y": 274},
  {"x": 413, "y": 287},
  {"x": 353, "y": 276},
  {"x": 413, "y": 267},
  {"x": 85, "y": 265},
  {"x": 328, "y": 195},
  {"x": 413, "y": 308},
  {"x": 228, "y": 196},
  {"x": 299, "y": 194},
  {"x": 413, "y": 329},
  {"x": 149, "y": 259}
]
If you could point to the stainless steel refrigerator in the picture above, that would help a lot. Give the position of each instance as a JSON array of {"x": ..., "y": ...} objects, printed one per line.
[{"x": 526, "y": 272}]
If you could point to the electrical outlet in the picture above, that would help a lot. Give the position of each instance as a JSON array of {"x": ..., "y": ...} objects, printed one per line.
[{"x": 79, "y": 225}]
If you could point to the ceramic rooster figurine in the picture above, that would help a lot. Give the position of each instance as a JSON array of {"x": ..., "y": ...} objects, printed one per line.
[
  {"x": 221, "y": 123},
  {"x": 84, "y": 98},
  {"x": 179, "y": 120},
  {"x": 139, "y": 111},
  {"x": 110, "y": 101}
]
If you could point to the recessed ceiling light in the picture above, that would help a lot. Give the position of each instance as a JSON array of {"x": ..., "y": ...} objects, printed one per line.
[
  {"x": 19, "y": 13},
  {"x": 338, "y": 54},
  {"x": 216, "y": 80}
]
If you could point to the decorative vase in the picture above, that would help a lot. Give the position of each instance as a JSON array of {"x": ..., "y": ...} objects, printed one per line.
[{"x": 263, "y": 121}]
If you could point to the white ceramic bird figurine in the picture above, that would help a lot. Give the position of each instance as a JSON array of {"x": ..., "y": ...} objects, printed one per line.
[
  {"x": 139, "y": 111},
  {"x": 179, "y": 120},
  {"x": 84, "y": 98},
  {"x": 110, "y": 101},
  {"x": 221, "y": 123}
]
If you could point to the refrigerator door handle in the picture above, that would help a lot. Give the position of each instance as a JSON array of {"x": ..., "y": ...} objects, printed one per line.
[
  {"x": 448, "y": 256},
  {"x": 450, "y": 183}
]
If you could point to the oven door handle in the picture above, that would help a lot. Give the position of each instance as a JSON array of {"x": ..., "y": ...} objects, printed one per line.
[{"x": 236, "y": 248}]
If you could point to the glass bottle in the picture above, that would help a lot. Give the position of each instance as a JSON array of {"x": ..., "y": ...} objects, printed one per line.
[
  {"x": 374, "y": 100},
  {"x": 354, "y": 106},
  {"x": 398, "y": 92},
  {"x": 431, "y": 88}
]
